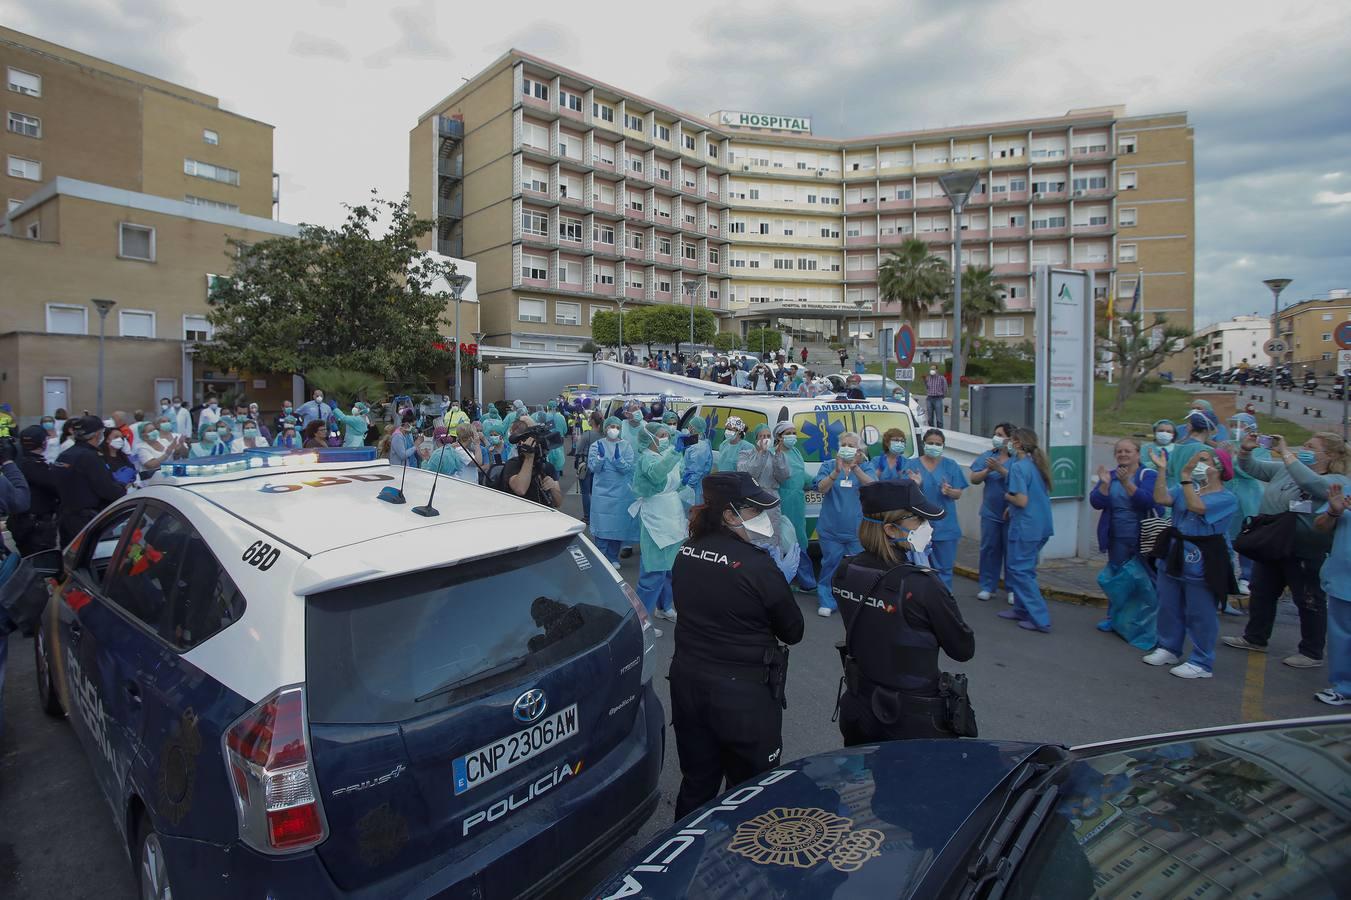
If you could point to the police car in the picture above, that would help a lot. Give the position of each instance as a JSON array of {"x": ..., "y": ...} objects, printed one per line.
[
  {"x": 1255, "y": 810},
  {"x": 819, "y": 422},
  {"x": 288, "y": 687}
]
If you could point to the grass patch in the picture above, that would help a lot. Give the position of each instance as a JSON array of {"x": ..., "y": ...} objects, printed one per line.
[{"x": 1145, "y": 408}]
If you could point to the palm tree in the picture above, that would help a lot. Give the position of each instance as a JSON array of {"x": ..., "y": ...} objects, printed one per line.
[
  {"x": 981, "y": 296},
  {"x": 914, "y": 277}
]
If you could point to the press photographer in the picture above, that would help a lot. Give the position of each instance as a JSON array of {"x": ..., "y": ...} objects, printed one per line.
[{"x": 529, "y": 474}]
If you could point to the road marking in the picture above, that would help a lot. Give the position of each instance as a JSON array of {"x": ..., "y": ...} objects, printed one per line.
[{"x": 1254, "y": 687}]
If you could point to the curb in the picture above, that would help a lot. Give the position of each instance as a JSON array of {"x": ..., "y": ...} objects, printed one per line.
[{"x": 1074, "y": 597}]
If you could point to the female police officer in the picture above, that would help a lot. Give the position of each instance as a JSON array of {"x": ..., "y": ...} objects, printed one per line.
[
  {"x": 728, "y": 669},
  {"x": 897, "y": 616}
]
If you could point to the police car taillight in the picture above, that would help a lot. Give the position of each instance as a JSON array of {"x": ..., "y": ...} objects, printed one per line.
[
  {"x": 268, "y": 761},
  {"x": 649, "y": 642}
]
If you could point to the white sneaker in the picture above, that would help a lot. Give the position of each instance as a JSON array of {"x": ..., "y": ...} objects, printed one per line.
[
  {"x": 1189, "y": 670},
  {"x": 1243, "y": 589},
  {"x": 1010, "y": 598},
  {"x": 823, "y": 612},
  {"x": 668, "y": 615},
  {"x": 983, "y": 595},
  {"x": 1160, "y": 657},
  {"x": 656, "y": 632}
]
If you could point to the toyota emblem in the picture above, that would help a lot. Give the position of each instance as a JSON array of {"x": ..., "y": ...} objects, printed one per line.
[{"x": 530, "y": 706}]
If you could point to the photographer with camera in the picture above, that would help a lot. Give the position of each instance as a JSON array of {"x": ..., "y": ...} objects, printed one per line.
[{"x": 529, "y": 473}]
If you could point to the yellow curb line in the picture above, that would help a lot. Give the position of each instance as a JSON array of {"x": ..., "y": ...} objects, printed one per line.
[{"x": 1073, "y": 597}]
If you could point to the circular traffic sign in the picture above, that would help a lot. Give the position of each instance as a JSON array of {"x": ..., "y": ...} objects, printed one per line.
[
  {"x": 905, "y": 345},
  {"x": 1342, "y": 335},
  {"x": 1275, "y": 347}
]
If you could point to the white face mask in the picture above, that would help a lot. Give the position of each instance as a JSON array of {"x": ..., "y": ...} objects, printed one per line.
[
  {"x": 897, "y": 447},
  {"x": 760, "y": 525},
  {"x": 731, "y": 434},
  {"x": 612, "y": 433},
  {"x": 117, "y": 443},
  {"x": 919, "y": 538},
  {"x": 1163, "y": 438},
  {"x": 1200, "y": 473}
]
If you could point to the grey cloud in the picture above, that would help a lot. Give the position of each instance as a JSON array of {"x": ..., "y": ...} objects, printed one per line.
[
  {"x": 144, "y": 35},
  {"x": 417, "y": 39},
  {"x": 314, "y": 46},
  {"x": 551, "y": 40}
]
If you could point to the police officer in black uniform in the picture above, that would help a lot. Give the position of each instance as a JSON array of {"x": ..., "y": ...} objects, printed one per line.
[
  {"x": 83, "y": 480},
  {"x": 897, "y": 616},
  {"x": 35, "y": 530},
  {"x": 736, "y": 610}
]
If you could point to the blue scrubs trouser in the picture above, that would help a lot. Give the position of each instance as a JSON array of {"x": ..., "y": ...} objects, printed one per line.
[
  {"x": 654, "y": 589},
  {"x": 610, "y": 548},
  {"x": 942, "y": 556},
  {"x": 806, "y": 575},
  {"x": 994, "y": 545},
  {"x": 1339, "y": 644},
  {"x": 1187, "y": 609},
  {"x": 832, "y": 551},
  {"x": 1021, "y": 566}
]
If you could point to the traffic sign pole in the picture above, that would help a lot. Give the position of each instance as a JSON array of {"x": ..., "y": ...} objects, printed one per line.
[{"x": 1342, "y": 335}]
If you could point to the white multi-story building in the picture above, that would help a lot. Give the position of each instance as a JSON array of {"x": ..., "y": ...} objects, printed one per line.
[{"x": 1228, "y": 343}]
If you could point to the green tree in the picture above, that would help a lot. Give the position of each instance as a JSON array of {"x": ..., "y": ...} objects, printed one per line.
[
  {"x": 981, "y": 296},
  {"x": 726, "y": 341},
  {"x": 346, "y": 385},
  {"x": 762, "y": 340},
  {"x": 913, "y": 277},
  {"x": 337, "y": 297},
  {"x": 605, "y": 328},
  {"x": 1136, "y": 350},
  {"x": 670, "y": 324}
]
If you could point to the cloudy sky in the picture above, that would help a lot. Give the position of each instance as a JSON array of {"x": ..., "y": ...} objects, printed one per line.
[{"x": 1267, "y": 86}]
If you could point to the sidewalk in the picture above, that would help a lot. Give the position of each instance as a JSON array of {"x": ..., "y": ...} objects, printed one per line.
[{"x": 1067, "y": 580}]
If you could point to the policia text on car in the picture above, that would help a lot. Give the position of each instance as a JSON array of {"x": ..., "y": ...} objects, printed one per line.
[
  {"x": 897, "y": 616},
  {"x": 729, "y": 668}
]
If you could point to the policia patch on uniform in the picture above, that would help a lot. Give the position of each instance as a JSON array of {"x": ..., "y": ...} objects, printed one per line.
[
  {"x": 178, "y": 768},
  {"x": 802, "y": 837}
]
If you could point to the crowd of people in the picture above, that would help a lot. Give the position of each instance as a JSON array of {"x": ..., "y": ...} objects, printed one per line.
[{"x": 1210, "y": 512}]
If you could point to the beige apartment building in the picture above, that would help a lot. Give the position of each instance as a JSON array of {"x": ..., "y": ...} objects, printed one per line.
[
  {"x": 71, "y": 115},
  {"x": 574, "y": 196},
  {"x": 75, "y": 241},
  {"x": 1308, "y": 326}
]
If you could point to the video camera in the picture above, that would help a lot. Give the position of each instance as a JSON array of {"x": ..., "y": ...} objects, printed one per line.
[{"x": 545, "y": 438}]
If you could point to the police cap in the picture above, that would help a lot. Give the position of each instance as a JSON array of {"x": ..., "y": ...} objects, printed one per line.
[
  {"x": 885, "y": 496},
  {"x": 736, "y": 489},
  {"x": 86, "y": 426}
]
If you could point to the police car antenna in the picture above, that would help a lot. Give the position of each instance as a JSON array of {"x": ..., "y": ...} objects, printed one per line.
[
  {"x": 428, "y": 511},
  {"x": 395, "y": 495}
]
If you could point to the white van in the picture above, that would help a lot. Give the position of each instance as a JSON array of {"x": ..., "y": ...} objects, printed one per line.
[{"x": 819, "y": 422}]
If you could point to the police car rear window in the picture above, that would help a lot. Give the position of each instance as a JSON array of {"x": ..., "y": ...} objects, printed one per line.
[{"x": 396, "y": 649}]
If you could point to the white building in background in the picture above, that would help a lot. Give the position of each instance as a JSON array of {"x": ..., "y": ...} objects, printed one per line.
[{"x": 1227, "y": 343}]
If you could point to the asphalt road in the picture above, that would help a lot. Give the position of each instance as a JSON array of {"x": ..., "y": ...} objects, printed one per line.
[{"x": 1074, "y": 685}]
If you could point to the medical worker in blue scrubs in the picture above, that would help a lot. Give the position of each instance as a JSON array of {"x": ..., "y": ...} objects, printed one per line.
[
  {"x": 942, "y": 482},
  {"x": 610, "y": 461},
  {"x": 991, "y": 470},
  {"x": 734, "y": 445},
  {"x": 838, "y": 482},
  {"x": 890, "y": 466},
  {"x": 1194, "y": 578},
  {"x": 1030, "y": 527},
  {"x": 663, "y": 525},
  {"x": 698, "y": 455},
  {"x": 1336, "y": 581}
]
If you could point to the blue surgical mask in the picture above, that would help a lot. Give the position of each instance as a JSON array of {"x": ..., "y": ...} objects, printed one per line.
[
  {"x": 152, "y": 435},
  {"x": 209, "y": 437},
  {"x": 933, "y": 450},
  {"x": 250, "y": 432},
  {"x": 1305, "y": 456},
  {"x": 49, "y": 426},
  {"x": 663, "y": 443},
  {"x": 997, "y": 442},
  {"x": 494, "y": 438},
  {"x": 790, "y": 440},
  {"x": 897, "y": 447},
  {"x": 848, "y": 453}
]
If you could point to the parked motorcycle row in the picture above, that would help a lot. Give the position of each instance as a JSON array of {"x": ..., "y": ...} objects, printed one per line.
[{"x": 1310, "y": 382}]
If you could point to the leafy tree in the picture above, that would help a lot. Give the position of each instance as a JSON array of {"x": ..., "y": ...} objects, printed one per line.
[
  {"x": 981, "y": 296},
  {"x": 763, "y": 340},
  {"x": 347, "y": 385},
  {"x": 605, "y": 327},
  {"x": 1137, "y": 350},
  {"x": 913, "y": 277},
  {"x": 336, "y": 297},
  {"x": 726, "y": 341},
  {"x": 670, "y": 324}
]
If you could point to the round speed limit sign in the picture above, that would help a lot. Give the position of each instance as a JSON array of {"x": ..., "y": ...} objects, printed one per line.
[{"x": 1275, "y": 347}]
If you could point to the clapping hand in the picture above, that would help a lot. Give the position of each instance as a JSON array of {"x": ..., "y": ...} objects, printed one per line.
[
  {"x": 1157, "y": 457},
  {"x": 948, "y": 491},
  {"x": 1337, "y": 500},
  {"x": 915, "y": 477},
  {"x": 1103, "y": 476}
]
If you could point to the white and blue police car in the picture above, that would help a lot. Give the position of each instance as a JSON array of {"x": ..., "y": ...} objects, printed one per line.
[{"x": 289, "y": 688}]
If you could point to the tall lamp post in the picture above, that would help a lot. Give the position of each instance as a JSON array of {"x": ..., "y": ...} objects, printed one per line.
[
  {"x": 1276, "y": 285},
  {"x": 690, "y": 287},
  {"x": 458, "y": 283},
  {"x": 620, "y": 348},
  {"x": 858, "y": 335},
  {"x": 958, "y": 186},
  {"x": 103, "y": 307}
]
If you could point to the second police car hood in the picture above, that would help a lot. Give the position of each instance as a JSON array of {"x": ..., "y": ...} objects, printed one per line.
[{"x": 864, "y": 822}]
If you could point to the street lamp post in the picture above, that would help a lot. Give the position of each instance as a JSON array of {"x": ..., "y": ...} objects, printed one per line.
[
  {"x": 103, "y": 307},
  {"x": 458, "y": 283},
  {"x": 958, "y": 186},
  {"x": 1276, "y": 285},
  {"x": 621, "y": 327},
  {"x": 858, "y": 335},
  {"x": 690, "y": 287}
]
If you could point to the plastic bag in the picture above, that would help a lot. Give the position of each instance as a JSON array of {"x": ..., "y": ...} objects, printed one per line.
[{"x": 1133, "y": 605}]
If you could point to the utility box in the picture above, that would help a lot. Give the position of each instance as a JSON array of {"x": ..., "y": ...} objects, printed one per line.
[{"x": 995, "y": 403}]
